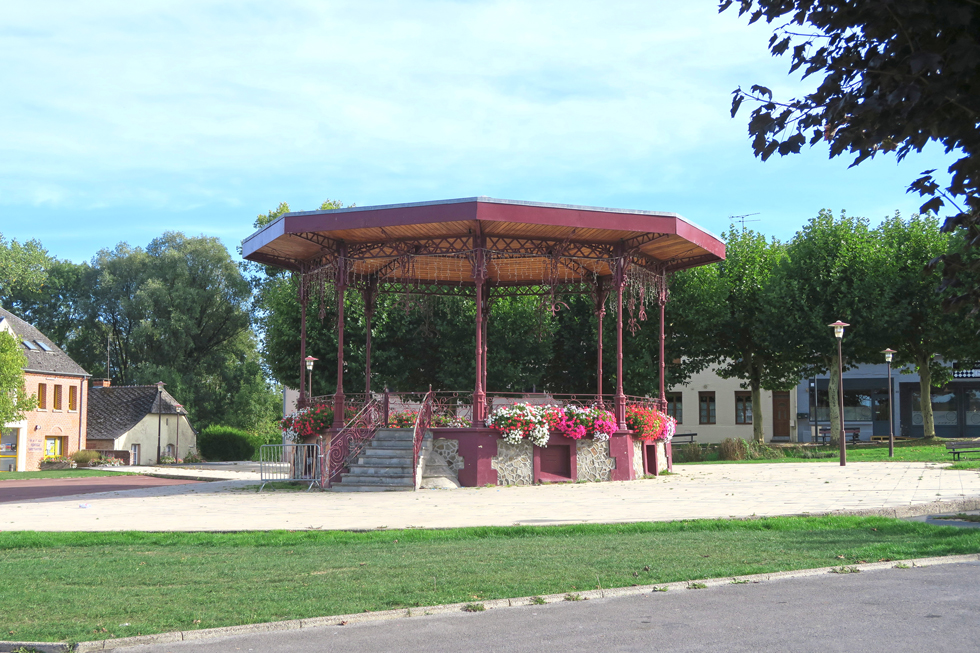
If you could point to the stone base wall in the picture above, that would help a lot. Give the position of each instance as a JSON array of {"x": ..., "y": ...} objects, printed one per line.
[
  {"x": 594, "y": 463},
  {"x": 514, "y": 463},
  {"x": 449, "y": 450},
  {"x": 637, "y": 458}
]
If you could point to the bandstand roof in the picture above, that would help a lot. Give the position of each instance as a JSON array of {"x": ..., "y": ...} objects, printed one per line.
[{"x": 521, "y": 243}]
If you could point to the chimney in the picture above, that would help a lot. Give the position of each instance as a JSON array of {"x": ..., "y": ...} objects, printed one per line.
[{"x": 101, "y": 383}]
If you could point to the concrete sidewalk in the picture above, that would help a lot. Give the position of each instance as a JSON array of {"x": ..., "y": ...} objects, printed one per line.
[{"x": 694, "y": 491}]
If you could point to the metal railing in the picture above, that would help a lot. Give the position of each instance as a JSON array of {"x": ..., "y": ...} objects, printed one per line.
[
  {"x": 422, "y": 422},
  {"x": 348, "y": 443},
  {"x": 291, "y": 462}
]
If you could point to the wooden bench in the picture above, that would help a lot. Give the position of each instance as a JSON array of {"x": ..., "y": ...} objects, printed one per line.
[
  {"x": 686, "y": 437},
  {"x": 956, "y": 448},
  {"x": 854, "y": 434}
]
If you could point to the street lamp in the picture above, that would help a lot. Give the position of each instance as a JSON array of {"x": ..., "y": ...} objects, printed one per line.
[
  {"x": 309, "y": 369},
  {"x": 159, "y": 402},
  {"x": 839, "y": 334},
  {"x": 889, "y": 354}
]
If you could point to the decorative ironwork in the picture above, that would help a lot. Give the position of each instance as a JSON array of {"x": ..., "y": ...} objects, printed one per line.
[
  {"x": 585, "y": 400},
  {"x": 422, "y": 422},
  {"x": 348, "y": 443}
]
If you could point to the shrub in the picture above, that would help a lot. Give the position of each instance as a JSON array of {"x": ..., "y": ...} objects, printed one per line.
[
  {"x": 86, "y": 458},
  {"x": 732, "y": 449},
  {"x": 762, "y": 451},
  {"x": 799, "y": 451},
  {"x": 691, "y": 453},
  {"x": 225, "y": 443},
  {"x": 193, "y": 457}
]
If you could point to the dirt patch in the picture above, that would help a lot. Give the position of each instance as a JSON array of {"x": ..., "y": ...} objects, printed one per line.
[{"x": 45, "y": 488}]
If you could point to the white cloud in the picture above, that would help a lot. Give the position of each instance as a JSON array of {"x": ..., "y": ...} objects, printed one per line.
[{"x": 108, "y": 96}]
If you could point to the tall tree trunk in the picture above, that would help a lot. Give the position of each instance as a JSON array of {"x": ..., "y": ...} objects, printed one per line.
[
  {"x": 757, "y": 414},
  {"x": 925, "y": 397},
  {"x": 833, "y": 396}
]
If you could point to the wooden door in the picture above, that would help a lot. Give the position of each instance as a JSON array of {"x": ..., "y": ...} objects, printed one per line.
[{"x": 780, "y": 414}]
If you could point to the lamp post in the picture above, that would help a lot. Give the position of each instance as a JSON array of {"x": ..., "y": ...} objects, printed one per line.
[
  {"x": 309, "y": 370},
  {"x": 178, "y": 408},
  {"x": 159, "y": 402},
  {"x": 889, "y": 354},
  {"x": 839, "y": 333}
]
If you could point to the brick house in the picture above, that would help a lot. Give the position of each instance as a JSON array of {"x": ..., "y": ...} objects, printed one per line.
[
  {"x": 133, "y": 420},
  {"x": 57, "y": 425}
]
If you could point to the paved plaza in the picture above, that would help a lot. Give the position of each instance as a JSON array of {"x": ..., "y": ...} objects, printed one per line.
[{"x": 693, "y": 491}]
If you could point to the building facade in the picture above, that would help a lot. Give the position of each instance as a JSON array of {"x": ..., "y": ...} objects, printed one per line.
[
  {"x": 715, "y": 408},
  {"x": 57, "y": 426},
  {"x": 955, "y": 406},
  {"x": 135, "y": 421}
]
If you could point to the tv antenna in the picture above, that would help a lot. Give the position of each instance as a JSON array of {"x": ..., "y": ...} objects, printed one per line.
[{"x": 741, "y": 218}]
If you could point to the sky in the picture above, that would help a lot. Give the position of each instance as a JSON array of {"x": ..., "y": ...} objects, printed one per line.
[{"x": 122, "y": 120}]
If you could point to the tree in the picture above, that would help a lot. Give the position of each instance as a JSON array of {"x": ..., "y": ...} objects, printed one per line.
[
  {"x": 921, "y": 331},
  {"x": 56, "y": 306},
  {"x": 23, "y": 267},
  {"x": 744, "y": 342},
  {"x": 835, "y": 269},
  {"x": 178, "y": 312},
  {"x": 14, "y": 400},
  {"x": 896, "y": 74}
]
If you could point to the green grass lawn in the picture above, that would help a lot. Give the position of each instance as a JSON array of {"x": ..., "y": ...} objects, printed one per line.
[
  {"x": 58, "y": 473},
  {"x": 83, "y": 586},
  {"x": 905, "y": 451}
]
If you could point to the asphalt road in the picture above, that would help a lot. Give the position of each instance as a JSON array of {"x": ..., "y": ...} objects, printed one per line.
[
  {"x": 44, "y": 488},
  {"x": 920, "y": 609}
]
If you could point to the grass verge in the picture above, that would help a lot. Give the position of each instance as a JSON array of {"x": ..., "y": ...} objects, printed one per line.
[
  {"x": 58, "y": 473},
  {"x": 83, "y": 586},
  {"x": 926, "y": 451}
]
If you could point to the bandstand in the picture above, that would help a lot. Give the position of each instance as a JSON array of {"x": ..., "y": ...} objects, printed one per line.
[{"x": 487, "y": 248}]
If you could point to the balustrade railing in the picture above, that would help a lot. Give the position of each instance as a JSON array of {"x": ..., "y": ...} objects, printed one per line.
[
  {"x": 422, "y": 422},
  {"x": 348, "y": 443},
  {"x": 454, "y": 408}
]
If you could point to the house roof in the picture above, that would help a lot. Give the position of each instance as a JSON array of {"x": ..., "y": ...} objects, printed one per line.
[
  {"x": 43, "y": 355},
  {"x": 114, "y": 411}
]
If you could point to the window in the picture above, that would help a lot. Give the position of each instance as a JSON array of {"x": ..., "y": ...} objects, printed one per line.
[
  {"x": 675, "y": 406},
  {"x": 42, "y": 396},
  {"x": 56, "y": 401},
  {"x": 43, "y": 346},
  {"x": 743, "y": 407},
  {"x": 706, "y": 407},
  {"x": 72, "y": 398},
  {"x": 30, "y": 345},
  {"x": 54, "y": 446}
]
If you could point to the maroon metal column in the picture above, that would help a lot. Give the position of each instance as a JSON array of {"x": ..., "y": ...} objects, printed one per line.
[
  {"x": 600, "y": 310},
  {"x": 479, "y": 276},
  {"x": 302, "y": 401},
  {"x": 369, "y": 295},
  {"x": 341, "y": 283},
  {"x": 620, "y": 398},
  {"x": 486, "y": 322},
  {"x": 662, "y": 300}
]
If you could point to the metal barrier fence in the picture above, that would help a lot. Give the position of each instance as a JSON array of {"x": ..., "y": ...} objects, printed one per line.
[{"x": 291, "y": 462}]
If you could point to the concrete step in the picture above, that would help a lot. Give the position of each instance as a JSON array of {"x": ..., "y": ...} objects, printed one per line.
[
  {"x": 384, "y": 461},
  {"x": 372, "y": 488},
  {"x": 394, "y": 434},
  {"x": 391, "y": 445},
  {"x": 388, "y": 471},
  {"x": 384, "y": 481}
]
